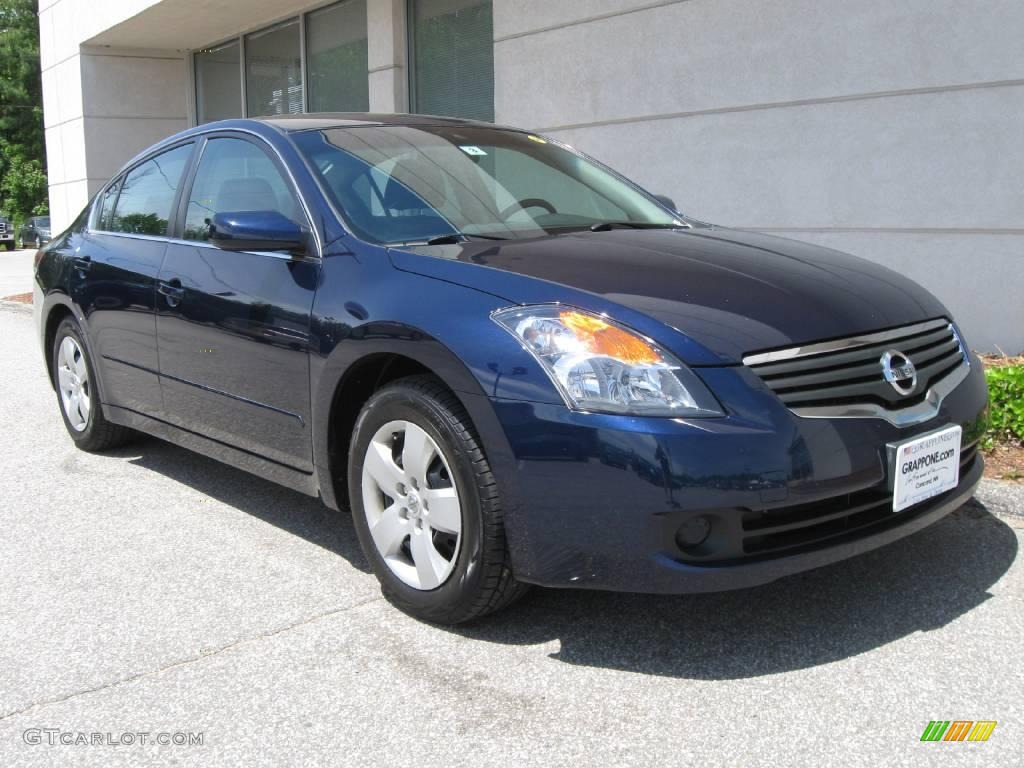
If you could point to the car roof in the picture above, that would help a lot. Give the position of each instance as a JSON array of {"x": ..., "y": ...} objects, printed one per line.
[
  {"x": 309, "y": 121},
  {"x": 322, "y": 120}
]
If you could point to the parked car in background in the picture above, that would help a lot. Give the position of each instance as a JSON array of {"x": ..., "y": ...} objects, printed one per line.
[
  {"x": 6, "y": 233},
  {"x": 35, "y": 233},
  {"x": 512, "y": 365}
]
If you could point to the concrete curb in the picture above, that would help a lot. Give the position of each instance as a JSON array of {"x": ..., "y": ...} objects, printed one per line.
[{"x": 16, "y": 306}]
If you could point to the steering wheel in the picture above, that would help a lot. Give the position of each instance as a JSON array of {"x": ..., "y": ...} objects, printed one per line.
[{"x": 530, "y": 202}]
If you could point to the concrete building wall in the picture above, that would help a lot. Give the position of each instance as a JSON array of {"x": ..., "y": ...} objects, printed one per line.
[
  {"x": 105, "y": 98},
  {"x": 891, "y": 130},
  {"x": 101, "y": 104}
]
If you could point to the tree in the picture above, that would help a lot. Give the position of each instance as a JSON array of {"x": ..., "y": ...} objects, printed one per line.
[{"x": 22, "y": 158}]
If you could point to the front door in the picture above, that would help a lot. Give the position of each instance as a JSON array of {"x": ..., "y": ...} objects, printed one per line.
[{"x": 233, "y": 327}]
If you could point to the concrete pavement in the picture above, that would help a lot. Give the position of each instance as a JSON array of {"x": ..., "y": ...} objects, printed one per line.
[
  {"x": 152, "y": 590},
  {"x": 15, "y": 272}
]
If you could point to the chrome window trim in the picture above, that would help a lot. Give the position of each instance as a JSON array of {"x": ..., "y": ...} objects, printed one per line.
[
  {"x": 793, "y": 353},
  {"x": 203, "y": 244}
]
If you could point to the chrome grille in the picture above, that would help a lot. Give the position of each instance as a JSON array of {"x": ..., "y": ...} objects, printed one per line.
[
  {"x": 845, "y": 377},
  {"x": 3, "y": 227}
]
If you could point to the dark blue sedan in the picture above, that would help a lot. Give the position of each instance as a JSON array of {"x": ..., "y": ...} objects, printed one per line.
[{"x": 511, "y": 364}]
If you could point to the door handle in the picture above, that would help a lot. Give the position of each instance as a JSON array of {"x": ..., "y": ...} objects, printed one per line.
[
  {"x": 82, "y": 263},
  {"x": 171, "y": 291}
]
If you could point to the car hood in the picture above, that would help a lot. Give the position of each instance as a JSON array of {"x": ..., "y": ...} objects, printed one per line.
[{"x": 729, "y": 291}]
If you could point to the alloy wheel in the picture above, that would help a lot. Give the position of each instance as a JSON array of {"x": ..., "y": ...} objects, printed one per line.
[
  {"x": 412, "y": 505},
  {"x": 73, "y": 382}
]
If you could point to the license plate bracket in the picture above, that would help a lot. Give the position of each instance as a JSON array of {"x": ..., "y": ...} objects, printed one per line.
[{"x": 924, "y": 467}]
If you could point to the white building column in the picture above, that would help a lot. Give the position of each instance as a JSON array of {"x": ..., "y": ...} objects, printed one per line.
[
  {"x": 131, "y": 99},
  {"x": 386, "y": 55},
  {"x": 101, "y": 104}
]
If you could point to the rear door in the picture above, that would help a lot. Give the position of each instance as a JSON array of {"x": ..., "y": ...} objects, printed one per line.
[
  {"x": 233, "y": 327},
  {"x": 114, "y": 272}
]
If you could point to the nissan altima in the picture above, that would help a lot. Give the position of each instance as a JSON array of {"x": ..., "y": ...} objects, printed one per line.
[{"x": 512, "y": 365}]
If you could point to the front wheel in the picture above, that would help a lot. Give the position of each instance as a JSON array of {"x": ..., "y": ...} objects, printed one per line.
[{"x": 426, "y": 506}]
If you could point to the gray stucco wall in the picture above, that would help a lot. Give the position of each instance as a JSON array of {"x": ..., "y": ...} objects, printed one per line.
[
  {"x": 890, "y": 130},
  {"x": 894, "y": 130}
]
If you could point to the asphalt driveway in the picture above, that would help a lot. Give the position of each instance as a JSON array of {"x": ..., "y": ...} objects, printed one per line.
[{"x": 152, "y": 590}]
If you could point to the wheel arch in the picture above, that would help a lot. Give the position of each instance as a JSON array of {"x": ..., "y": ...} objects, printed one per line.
[
  {"x": 351, "y": 376},
  {"x": 57, "y": 307}
]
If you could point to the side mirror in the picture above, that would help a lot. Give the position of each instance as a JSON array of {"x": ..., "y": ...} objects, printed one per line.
[
  {"x": 256, "y": 231},
  {"x": 667, "y": 201}
]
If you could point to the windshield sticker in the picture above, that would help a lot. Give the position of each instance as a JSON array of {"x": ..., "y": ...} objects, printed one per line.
[
  {"x": 474, "y": 151},
  {"x": 538, "y": 139}
]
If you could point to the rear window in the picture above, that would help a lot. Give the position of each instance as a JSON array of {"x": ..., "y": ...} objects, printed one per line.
[{"x": 147, "y": 194}]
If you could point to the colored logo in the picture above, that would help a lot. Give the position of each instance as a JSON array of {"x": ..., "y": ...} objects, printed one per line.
[{"x": 958, "y": 730}]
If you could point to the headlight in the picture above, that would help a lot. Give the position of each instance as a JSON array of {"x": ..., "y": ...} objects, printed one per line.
[{"x": 599, "y": 365}]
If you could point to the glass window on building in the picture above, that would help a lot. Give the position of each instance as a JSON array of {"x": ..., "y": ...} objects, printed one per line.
[
  {"x": 273, "y": 70},
  {"x": 218, "y": 83},
  {"x": 452, "y": 58},
  {"x": 336, "y": 63}
]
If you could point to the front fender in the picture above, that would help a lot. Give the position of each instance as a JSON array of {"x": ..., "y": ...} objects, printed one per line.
[{"x": 383, "y": 311}]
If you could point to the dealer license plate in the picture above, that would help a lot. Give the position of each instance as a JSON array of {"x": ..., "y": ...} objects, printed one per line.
[{"x": 925, "y": 467}]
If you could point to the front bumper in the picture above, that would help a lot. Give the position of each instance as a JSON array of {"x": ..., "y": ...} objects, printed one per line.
[{"x": 596, "y": 501}]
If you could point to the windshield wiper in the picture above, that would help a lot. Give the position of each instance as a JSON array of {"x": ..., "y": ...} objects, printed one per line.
[
  {"x": 451, "y": 238},
  {"x": 604, "y": 226}
]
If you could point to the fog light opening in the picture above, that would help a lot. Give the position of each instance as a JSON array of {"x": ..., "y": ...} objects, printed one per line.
[{"x": 693, "y": 533}]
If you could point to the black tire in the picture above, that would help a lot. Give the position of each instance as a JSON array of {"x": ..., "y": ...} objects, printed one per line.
[
  {"x": 9, "y": 245},
  {"x": 98, "y": 434},
  {"x": 481, "y": 580}
]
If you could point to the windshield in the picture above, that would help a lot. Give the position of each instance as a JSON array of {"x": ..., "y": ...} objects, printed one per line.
[
  {"x": 403, "y": 184},
  {"x": 43, "y": 221}
]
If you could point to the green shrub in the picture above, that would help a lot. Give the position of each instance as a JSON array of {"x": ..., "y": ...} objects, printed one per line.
[{"x": 1006, "y": 409}]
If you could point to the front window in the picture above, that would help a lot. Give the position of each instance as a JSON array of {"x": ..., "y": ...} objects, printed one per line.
[
  {"x": 400, "y": 184},
  {"x": 235, "y": 175}
]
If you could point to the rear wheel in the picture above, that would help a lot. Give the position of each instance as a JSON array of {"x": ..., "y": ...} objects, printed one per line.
[
  {"x": 426, "y": 506},
  {"x": 74, "y": 378}
]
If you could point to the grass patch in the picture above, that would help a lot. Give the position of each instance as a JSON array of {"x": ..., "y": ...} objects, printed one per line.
[{"x": 1006, "y": 404}]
